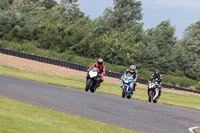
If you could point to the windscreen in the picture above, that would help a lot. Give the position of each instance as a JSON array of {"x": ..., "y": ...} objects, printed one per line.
[{"x": 95, "y": 69}]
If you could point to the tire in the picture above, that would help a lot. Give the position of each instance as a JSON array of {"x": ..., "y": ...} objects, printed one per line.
[
  {"x": 88, "y": 85},
  {"x": 150, "y": 93},
  {"x": 124, "y": 93},
  {"x": 155, "y": 101},
  {"x": 93, "y": 89},
  {"x": 129, "y": 97}
]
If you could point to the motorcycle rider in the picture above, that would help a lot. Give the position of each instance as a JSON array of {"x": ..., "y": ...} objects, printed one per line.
[
  {"x": 133, "y": 72},
  {"x": 158, "y": 77},
  {"x": 102, "y": 69}
]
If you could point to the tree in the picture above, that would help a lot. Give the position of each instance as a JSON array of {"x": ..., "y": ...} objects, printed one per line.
[
  {"x": 114, "y": 49},
  {"x": 49, "y": 37},
  {"x": 147, "y": 56},
  {"x": 125, "y": 14},
  {"x": 191, "y": 38},
  {"x": 187, "y": 62},
  {"x": 167, "y": 62},
  {"x": 162, "y": 35},
  {"x": 27, "y": 6},
  {"x": 69, "y": 10},
  {"x": 50, "y": 4},
  {"x": 4, "y": 4},
  {"x": 127, "y": 11},
  {"x": 194, "y": 70},
  {"x": 10, "y": 2},
  {"x": 189, "y": 57},
  {"x": 8, "y": 20}
]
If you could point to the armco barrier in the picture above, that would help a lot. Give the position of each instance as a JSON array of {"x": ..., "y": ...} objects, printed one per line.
[{"x": 79, "y": 67}]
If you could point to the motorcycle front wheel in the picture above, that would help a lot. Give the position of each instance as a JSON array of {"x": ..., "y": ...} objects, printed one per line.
[
  {"x": 150, "y": 94},
  {"x": 88, "y": 84},
  {"x": 124, "y": 92}
]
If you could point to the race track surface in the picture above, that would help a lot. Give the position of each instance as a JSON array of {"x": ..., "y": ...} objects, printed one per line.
[{"x": 132, "y": 114}]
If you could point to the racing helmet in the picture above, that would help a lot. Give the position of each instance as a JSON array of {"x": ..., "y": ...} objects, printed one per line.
[
  {"x": 157, "y": 74},
  {"x": 100, "y": 61},
  {"x": 132, "y": 69}
]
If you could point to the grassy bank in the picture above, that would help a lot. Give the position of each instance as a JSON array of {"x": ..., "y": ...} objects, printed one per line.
[
  {"x": 17, "y": 117},
  {"x": 30, "y": 47},
  {"x": 198, "y": 130},
  {"x": 168, "y": 98}
]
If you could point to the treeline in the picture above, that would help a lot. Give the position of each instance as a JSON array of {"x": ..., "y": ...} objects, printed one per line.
[{"x": 117, "y": 36}]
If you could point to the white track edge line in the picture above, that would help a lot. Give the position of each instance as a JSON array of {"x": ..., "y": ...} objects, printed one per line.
[{"x": 191, "y": 129}]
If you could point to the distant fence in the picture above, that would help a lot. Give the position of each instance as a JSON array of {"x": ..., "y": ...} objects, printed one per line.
[{"x": 79, "y": 67}]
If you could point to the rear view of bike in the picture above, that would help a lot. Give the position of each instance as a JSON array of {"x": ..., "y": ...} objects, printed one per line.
[{"x": 92, "y": 81}]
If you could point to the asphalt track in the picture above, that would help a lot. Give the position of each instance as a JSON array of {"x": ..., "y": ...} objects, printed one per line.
[{"x": 133, "y": 114}]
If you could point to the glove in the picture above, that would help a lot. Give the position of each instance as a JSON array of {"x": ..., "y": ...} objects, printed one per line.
[{"x": 101, "y": 75}]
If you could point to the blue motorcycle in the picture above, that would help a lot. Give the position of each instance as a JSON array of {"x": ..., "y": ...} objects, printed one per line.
[{"x": 127, "y": 91}]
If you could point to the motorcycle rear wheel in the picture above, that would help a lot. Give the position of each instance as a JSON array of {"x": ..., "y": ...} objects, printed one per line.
[
  {"x": 155, "y": 101},
  {"x": 93, "y": 89},
  {"x": 129, "y": 96}
]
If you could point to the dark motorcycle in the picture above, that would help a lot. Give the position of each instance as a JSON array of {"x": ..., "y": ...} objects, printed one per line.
[
  {"x": 153, "y": 91},
  {"x": 92, "y": 81}
]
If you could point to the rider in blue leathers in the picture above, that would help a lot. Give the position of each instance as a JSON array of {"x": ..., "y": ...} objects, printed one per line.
[{"x": 133, "y": 72}]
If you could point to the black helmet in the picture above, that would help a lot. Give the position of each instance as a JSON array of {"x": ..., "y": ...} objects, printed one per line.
[
  {"x": 100, "y": 61},
  {"x": 132, "y": 68},
  {"x": 157, "y": 74}
]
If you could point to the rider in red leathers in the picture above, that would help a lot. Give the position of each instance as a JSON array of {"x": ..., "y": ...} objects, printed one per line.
[{"x": 102, "y": 69}]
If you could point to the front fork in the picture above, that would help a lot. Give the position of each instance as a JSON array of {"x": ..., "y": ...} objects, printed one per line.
[
  {"x": 129, "y": 90},
  {"x": 156, "y": 93}
]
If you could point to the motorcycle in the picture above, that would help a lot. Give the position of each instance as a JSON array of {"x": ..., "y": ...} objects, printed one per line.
[
  {"x": 153, "y": 91},
  {"x": 127, "y": 92},
  {"x": 92, "y": 81}
]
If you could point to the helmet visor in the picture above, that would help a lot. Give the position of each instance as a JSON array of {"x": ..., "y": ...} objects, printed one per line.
[
  {"x": 132, "y": 70},
  {"x": 100, "y": 63}
]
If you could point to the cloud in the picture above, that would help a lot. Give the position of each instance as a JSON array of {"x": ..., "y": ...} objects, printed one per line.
[{"x": 179, "y": 3}]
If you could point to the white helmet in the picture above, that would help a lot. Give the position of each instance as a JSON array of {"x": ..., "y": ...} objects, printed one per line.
[{"x": 132, "y": 68}]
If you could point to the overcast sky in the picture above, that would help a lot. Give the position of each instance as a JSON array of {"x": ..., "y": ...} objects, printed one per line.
[{"x": 181, "y": 13}]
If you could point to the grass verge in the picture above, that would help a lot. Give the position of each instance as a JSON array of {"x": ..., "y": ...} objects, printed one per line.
[
  {"x": 198, "y": 130},
  {"x": 169, "y": 98},
  {"x": 17, "y": 117}
]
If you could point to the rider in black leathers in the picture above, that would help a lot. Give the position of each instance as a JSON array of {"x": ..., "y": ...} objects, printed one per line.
[{"x": 157, "y": 76}]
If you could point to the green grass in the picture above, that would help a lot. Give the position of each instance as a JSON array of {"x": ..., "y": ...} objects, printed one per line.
[
  {"x": 198, "y": 130},
  {"x": 169, "y": 98},
  {"x": 17, "y": 117}
]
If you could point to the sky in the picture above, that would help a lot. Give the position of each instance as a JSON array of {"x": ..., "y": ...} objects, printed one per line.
[{"x": 181, "y": 13}]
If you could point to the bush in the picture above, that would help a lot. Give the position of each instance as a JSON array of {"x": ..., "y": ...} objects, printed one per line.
[
  {"x": 179, "y": 81},
  {"x": 197, "y": 86}
]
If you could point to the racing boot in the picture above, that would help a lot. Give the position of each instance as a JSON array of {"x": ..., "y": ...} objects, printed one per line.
[
  {"x": 159, "y": 94},
  {"x": 121, "y": 87}
]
